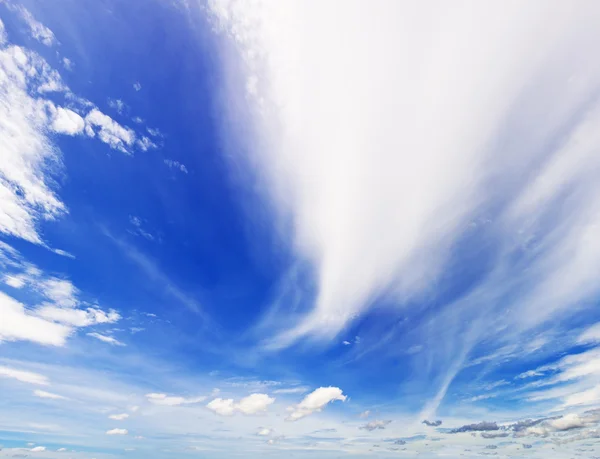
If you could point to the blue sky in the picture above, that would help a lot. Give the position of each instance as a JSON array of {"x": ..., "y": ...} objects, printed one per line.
[{"x": 254, "y": 228}]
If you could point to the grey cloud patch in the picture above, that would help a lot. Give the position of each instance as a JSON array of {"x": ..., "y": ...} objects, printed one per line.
[
  {"x": 375, "y": 425},
  {"x": 494, "y": 435},
  {"x": 432, "y": 423},
  {"x": 479, "y": 427}
]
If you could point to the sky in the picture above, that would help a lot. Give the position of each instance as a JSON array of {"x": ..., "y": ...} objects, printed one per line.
[{"x": 324, "y": 229}]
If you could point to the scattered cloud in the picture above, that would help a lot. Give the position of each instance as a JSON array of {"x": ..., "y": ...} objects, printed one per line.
[
  {"x": 67, "y": 64},
  {"x": 315, "y": 402},
  {"x": 482, "y": 426},
  {"x": 117, "y": 432},
  {"x": 118, "y": 417},
  {"x": 106, "y": 339},
  {"x": 38, "y": 449},
  {"x": 118, "y": 105},
  {"x": 252, "y": 404},
  {"x": 375, "y": 425},
  {"x": 109, "y": 131},
  {"x": 432, "y": 423},
  {"x": 168, "y": 400},
  {"x": 137, "y": 86},
  {"x": 23, "y": 376},
  {"x": 264, "y": 432},
  {"x": 38, "y": 30},
  {"x": 48, "y": 395},
  {"x": 176, "y": 165}
]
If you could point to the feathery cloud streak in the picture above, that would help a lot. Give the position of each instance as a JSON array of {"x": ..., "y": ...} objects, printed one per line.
[{"x": 383, "y": 139}]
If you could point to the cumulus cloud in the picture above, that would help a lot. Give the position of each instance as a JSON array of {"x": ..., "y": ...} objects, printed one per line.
[
  {"x": 66, "y": 121},
  {"x": 169, "y": 400},
  {"x": 106, "y": 339},
  {"x": 117, "y": 432},
  {"x": 38, "y": 449},
  {"x": 315, "y": 402},
  {"x": 48, "y": 395},
  {"x": 264, "y": 432},
  {"x": 137, "y": 86},
  {"x": 375, "y": 425},
  {"x": 23, "y": 376},
  {"x": 119, "y": 417},
  {"x": 252, "y": 404}
]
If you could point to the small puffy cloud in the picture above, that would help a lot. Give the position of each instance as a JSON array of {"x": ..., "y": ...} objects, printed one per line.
[
  {"x": 118, "y": 105},
  {"x": 38, "y": 449},
  {"x": 106, "y": 339},
  {"x": 346, "y": 343},
  {"x": 168, "y": 400},
  {"x": 252, "y": 404},
  {"x": 432, "y": 423},
  {"x": 118, "y": 417},
  {"x": 223, "y": 407},
  {"x": 61, "y": 450},
  {"x": 48, "y": 395},
  {"x": 67, "y": 64},
  {"x": 315, "y": 401},
  {"x": 375, "y": 425},
  {"x": 67, "y": 122},
  {"x": 23, "y": 376},
  {"x": 255, "y": 403},
  {"x": 264, "y": 432},
  {"x": 176, "y": 165},
  {"x": 137, "y": 86},
  {"x": 365, "y": 414},
  {"x": 117, "y": 432}
]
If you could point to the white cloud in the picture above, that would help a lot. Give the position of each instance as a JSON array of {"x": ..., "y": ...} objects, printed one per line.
[
  {"x": 380, "y": 170},
  {"x": 38, "y": 30},
  {"x": 264, "y": 432},
  {"x": 38, "y": 449},
  {"x": 19, "y": 324},
  {"x": 67, "y": 122},
  {"x": 48, "y": 395},
  {"x": 61, "y": 450},
  {"x": 591, "y": 335},
  {"x": 109, "y": 131},
  {"x": 223, "y": 407},
  {"x": 119, "y": 417},
  {"x": 117, "y": 432},
  {"x": 255, "y": 403},
  {"x": 77, "y": 317},
  {"x": 137, "y": 86},
  {"x": 169, "y": 400},
  {"x": 23, "y": 376},
  {"x": 315, "y": 402},
  {"x": 145, "y": 144},
  {"x": 2, "y": 33},
  {"x": 67, "y": 64},
  {"x": 106, "y": 339},
  {"x": 176, "y": 165},
  {"x": 252, "y": 404},
  {"x": 118, "y": 105}
]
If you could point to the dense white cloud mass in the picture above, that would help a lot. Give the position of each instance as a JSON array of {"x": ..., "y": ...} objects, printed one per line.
[
  {"x": 315, "y": 401},
  {"x": 387, "y": 131}
]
